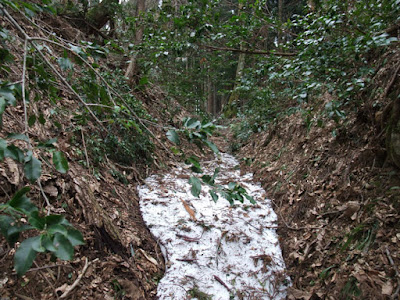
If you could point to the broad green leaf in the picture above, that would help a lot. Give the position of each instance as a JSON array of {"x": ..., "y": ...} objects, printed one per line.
[
  {"x": 173, "y": 136},
  {"x": 196, "y": 186},
  {"x": 14, "y": 231},
  {"x": 64, "y": 251},
  {"x": 22, "y": 203},
  {"x": 56, "y": 220},
  {"x": 5, "y": 224},
  {"x": 14, "y": 152},
  {"x": 53, "y": 229},
  {"x": 192, "y": 123},
  {"x": 8, "y": 95},
  {"x": 3, "y": 146},
  {"x": 37, "y": 244},
  {"x": 36, "y": 221},
  {"x": 24, "y": 256},
  {"x": 212, "y": 146},
  {"x": 48, "y": 243},
  {"x": 214, "y": 195},
  {"x": 18, "y": 136},
  {"x": 75, "y": 237},
  {"x": 33, "y": 169},
  {"x": 231, "y": 185},
  {"x": 60, "y": 162}
]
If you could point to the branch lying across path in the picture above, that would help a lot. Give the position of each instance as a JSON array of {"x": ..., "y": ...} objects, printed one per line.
[{"x": 262, "y": 52}]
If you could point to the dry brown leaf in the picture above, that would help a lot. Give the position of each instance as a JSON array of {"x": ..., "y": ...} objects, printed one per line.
[
  {"x": 189, "y": 210},
  {"x": 387, "y": 289},
  {"x": 51, "y": 190},
  {"x": 13, "y": 171},
  {"x": 148, "y": 257}
]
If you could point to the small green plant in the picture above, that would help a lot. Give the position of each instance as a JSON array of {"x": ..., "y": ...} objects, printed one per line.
[
  {"x": 350, "y": 289},
  {"x": 198, "y": 132},
  {"x": 56, "y": 234},
  {"x": 194, "y": 292}
]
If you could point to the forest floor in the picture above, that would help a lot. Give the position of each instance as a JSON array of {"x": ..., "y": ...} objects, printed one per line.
[{"x": 337, "y": 201}]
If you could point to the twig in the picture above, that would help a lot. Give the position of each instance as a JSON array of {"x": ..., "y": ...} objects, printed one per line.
[
  {"x": 190, "y": 260},
  {"x": 389, "y": 256},
  {"x": 221, "y": 282},
  {"x": 76, "y": 282},
  {"x": 84, "y": 148},
  {"x": 188, "y": 238}
]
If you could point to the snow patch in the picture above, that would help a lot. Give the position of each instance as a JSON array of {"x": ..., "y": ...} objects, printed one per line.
[{"x": 227, "y": 252}]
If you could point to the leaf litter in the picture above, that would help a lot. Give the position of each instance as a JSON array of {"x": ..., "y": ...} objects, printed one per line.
[{"x": 214, "y": 250}]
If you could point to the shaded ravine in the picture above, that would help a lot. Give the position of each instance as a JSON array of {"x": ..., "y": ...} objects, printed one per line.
[{"x": 227, "y": 252}]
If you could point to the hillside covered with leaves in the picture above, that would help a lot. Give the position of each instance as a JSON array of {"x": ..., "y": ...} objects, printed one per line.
[{"x": 97, "y": 95}]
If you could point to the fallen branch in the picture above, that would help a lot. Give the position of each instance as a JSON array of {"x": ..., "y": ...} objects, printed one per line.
[
  {"x": 221, "y": 282},
  {"x": 69, "y": 289}
]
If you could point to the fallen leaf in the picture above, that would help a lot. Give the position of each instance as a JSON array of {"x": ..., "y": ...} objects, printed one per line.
[
  {"x": 387, "y": 289},
  {"x": 189, "y": 210}
]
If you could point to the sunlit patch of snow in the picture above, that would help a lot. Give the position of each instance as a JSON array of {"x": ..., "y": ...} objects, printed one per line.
[{"x": 228, "y": 252}]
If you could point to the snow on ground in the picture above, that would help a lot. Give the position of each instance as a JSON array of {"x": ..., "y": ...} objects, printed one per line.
[{"x": 227, "y": 252}]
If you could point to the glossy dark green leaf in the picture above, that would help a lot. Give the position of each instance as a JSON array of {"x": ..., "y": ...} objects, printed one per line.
[
  {"x": 173, "y": 136},
  {"x": 33, "y": 169},
  {"x": 60, "y": 162},
  {"x": 212, "y": 146},
  {"x": 15, "y": 153},
  {"x": 14, "y": 231},
  {"x": 75, "y": 237},
  {"x": 21, "y": 202},
  {"x": 214, "y": 195},
  {"x": 64, "y": 249},
  {"x": 37, "y": 244},
  {"x": 47, "y": 242},
  {"x": 5, "y": 224},
  {"x": 196, "y": 186},
  {"x": 57, "y": 228},
  {"x": 24, "y": 256},
  {"x": 56, "y": 220},
  {"x": 250, "y": 198},
  {"x": 36, "y": 221}
]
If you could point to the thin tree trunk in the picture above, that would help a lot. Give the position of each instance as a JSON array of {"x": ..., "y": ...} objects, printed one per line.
[
  {"x": 231, "y": 109},
  {"x": 132, "y": 72}
]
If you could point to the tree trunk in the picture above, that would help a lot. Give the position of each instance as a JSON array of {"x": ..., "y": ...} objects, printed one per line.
[
  {"x": 231, "y": 109},
  {"x": 132, "y": 72}
]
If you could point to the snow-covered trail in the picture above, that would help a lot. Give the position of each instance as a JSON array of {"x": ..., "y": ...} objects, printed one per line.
[{"x": 227, "y": 252}]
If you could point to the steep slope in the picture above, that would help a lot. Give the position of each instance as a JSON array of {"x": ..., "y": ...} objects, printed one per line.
[
  {"x": 336, "y": 192},
  {"x": 108, "y": 150}
]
